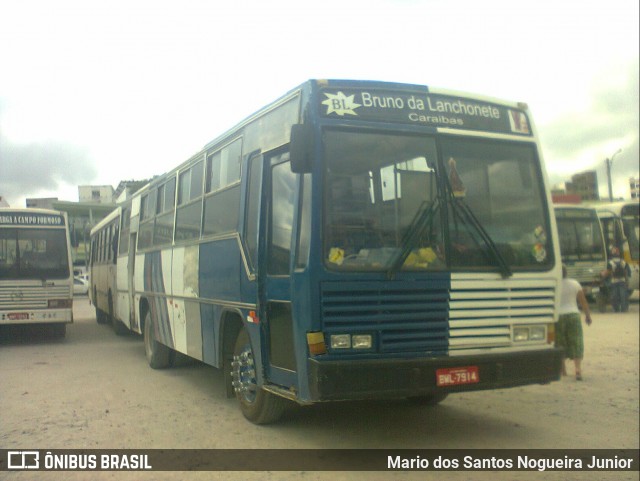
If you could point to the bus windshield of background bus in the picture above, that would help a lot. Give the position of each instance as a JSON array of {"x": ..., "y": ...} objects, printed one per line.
[
  {"x": 33, "y": 254},
  {"x": 580, "y": 235},
  {"x": 631, "y": 224},
  {"x": 377, "y": 184}
]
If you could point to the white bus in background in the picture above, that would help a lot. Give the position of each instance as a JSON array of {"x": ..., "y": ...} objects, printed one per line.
[
  {"x": 620, "y": 225},
  {"x": 36, "y": 275},
  {"x": 582, "y": 245},
  {"x": 103, "y": 282}
]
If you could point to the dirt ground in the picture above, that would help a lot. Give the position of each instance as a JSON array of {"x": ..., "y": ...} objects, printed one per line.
[{"x": 94, "y": 390}]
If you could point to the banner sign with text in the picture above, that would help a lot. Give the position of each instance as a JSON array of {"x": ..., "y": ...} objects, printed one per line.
[
  {"x": 430, "y": 109},
  {"x": 537, "y": 460},
  {"x": 29, "y": 219}
]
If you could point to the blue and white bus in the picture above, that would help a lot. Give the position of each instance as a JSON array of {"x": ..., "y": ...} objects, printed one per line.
[
  {"x": 36, "y": 276},
  {"x": 351, "y": 240}
]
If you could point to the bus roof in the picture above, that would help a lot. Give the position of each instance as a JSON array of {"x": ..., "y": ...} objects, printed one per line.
[
  {"x": 107, "y": 219},
  {"x": 314, "y": 86}
]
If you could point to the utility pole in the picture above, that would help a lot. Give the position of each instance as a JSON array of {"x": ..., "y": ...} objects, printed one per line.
[{"x": 608, "y": 162}]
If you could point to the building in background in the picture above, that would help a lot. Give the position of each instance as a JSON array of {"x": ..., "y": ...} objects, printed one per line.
[
  {"x": 41, "y": 203},
  {"x": 127, "y": 188},
  {"x": 584, "y": 184},
  {"x": 95, "y": 194}
]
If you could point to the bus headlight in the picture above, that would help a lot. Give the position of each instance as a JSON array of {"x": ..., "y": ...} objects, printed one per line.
[
  {"x": 536, "y": 333},
  {"x": 340, "y": 341},
  {"x": 520, "y": 334},
  {"x": 529, "y": 333},
  {"x": 348, "y": 341},
  {"x": 361, "y": 341}
]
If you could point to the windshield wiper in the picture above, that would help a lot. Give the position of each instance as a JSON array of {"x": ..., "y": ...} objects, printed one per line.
[
  {"x": 423, "y": 218},
  {"x": 461, "y": 207}
]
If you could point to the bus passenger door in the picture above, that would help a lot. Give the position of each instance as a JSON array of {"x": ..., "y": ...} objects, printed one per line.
[{"x": 282, "y": 197}]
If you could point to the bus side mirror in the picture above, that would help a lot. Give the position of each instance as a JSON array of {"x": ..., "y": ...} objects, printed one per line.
[{"x": 301, "y": 148}]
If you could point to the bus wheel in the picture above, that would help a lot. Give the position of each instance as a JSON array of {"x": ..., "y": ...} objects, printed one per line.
[
  {"x": 256, "y": 404},
  {"x": 158, "y": 355},
  {"x": 429, "y": 399}
]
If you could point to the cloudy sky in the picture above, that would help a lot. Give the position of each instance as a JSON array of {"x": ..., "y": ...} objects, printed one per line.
[{"x": 98, "y": 92}]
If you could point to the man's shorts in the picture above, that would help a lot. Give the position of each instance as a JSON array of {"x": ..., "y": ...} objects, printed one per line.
[{"x": 569, "y": 335}]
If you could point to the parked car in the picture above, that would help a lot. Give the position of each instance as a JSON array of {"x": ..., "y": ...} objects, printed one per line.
[
  {"x": 81, "y": 274},
  {"x": 80, "y": 286}
]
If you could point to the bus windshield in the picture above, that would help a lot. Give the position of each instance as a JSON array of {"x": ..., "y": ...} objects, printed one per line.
[
  {"x": 33, "y": 254},
  {"x": 580, "y": 235},
  {"x": 384, "y": 194},
  {"x": 631, "y": 224}
]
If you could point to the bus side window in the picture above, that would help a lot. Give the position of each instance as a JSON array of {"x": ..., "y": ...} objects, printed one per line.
[
  {"x": 304, "y": 235},
  {"x": 114, "y": 245},
  {"x": 254, "y": 191}
]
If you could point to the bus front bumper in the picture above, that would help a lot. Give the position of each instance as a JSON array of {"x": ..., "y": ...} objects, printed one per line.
[{"x": 397, "y": 378}]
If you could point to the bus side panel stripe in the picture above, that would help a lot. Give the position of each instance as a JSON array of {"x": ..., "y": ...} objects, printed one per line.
[{"x": 153, "y": 282}]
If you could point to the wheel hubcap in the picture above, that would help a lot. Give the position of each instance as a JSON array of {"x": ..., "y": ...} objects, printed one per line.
[{"x": 244, "y": 375}]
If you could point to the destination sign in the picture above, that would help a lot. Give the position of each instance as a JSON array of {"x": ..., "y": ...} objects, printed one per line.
[
  {"x": 430, "y": 109},
  {"x": 26, "y": 219}
]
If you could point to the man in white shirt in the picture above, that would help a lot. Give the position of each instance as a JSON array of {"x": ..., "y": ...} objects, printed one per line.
[{"x": 569, "y": 326}]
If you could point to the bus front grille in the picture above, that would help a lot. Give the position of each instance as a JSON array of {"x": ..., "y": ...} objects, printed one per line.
[
  {"x": 483, "y": 312},
  {"x": 402, "y": 316},
  {"x": 30, "y": 297},
  {"x": 437, "y": 316}
]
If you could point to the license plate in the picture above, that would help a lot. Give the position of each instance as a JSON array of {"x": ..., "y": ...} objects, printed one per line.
[
  {"x": 18, "y": 316},
  {"x": 454, "y": 376}
]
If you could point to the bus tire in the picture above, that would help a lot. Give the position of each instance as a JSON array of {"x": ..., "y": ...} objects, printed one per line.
[
  {"x": 158, "y": 355},
  {"x": 256, "y": 404},
  {"x": 432, "y": 399}
]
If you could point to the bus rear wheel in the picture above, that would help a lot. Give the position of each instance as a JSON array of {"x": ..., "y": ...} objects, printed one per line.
[
  {"x": 158, "y": 355},
  {"x": 256, "y": 404}
]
